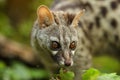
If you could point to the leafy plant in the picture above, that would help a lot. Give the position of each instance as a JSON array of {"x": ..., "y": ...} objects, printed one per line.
[
  {"x": 18, "y": 71},
  {"x": 90, "y": 74},
  {"x": 94, "y": 74},
  {"x": 63, "y": 75}
]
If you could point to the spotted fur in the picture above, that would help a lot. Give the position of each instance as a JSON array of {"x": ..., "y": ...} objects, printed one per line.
[{"x": 100, "y": 22}]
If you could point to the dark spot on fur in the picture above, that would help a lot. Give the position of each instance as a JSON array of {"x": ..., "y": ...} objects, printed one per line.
[
  {"x": 97, "y": 21},
  {"x": 105, "y": 35},
  {"x": 82, "y": 41},
  {"x": 113, "y": 23},
  {"x": 89, "y": 48},
  {"x": 88, "y": 5},
  {"x": 104, "y": 11},
  {"x": 80, "y": 24},
  {"x": 116, "y": 38},
  {"x": 81, "y": 49},
  {"x": 118, "y": 1},
  {"x": 113, "y": 5},
  {"x": 100, "y": 39},
  {"x": 90, "y": 26},
  {"x": 69, "y": 6},
  {"x": 36, "y": 24}
]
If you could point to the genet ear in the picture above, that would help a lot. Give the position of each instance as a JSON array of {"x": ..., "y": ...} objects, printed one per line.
[
  {"x": 45, "y": 17},
  {"x": 77, "y": 17}
]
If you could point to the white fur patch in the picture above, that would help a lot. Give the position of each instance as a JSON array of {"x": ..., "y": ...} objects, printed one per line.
[
  {"x": 71, "y": 62},
  {"x": 61, "y": 63},
  {"x": 73, "y": 52},
  {"x": 54, "y": 52},
  {"x": 54, "y": 39}
]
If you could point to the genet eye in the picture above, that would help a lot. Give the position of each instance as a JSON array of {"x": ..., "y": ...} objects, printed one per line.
[
  {"x": 55, "y": 45},
  {"x": 72, "y": 45}
]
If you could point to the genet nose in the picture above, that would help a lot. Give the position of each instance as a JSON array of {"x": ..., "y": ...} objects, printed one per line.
[{"x": 67, "y": 63}]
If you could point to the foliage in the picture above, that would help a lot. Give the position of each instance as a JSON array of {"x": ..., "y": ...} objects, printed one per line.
[
  {"x": 94, "y": 74},
  {"x": 63, "y": 75},
  {"x": 111, "y": 76},
  {"x": 5, "y": 26},
  {"x": 18, "y": 71},
  {"x": 90, "y": 74}
]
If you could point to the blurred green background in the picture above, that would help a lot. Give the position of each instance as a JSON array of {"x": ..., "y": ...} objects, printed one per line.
[{"x": 16, "y": 20}]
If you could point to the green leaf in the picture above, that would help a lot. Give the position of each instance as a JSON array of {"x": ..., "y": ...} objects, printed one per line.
[
  {"x": 90, "y": 74},
  {"x": 111, "y": 76},
  {"x": 64, "y": 75},
  {"x": 20, "y": 72}
]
